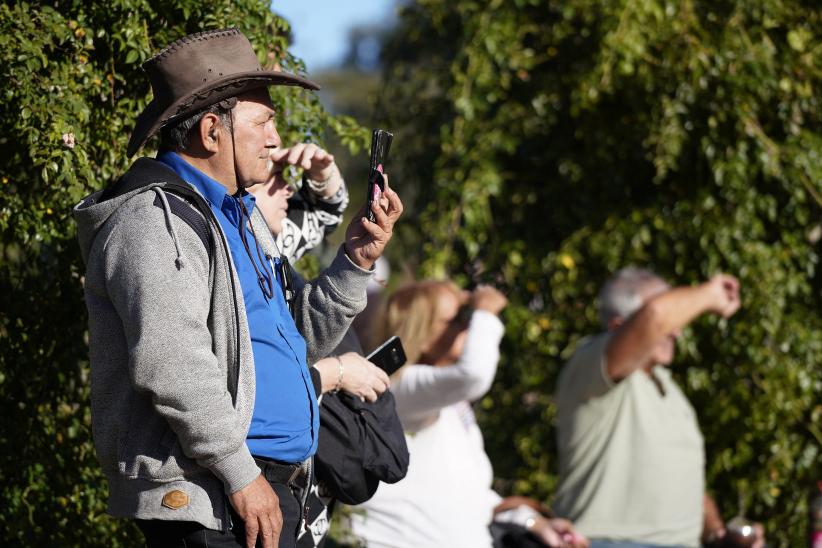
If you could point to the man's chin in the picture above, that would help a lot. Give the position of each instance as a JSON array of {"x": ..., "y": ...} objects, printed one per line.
[
  {"x": 665, "y": 360},
  {"x": 248, "y": 184}
]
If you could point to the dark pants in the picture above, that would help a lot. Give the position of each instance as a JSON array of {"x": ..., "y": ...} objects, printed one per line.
[
  {"x": 510, "y": 535},
  {"x": 188, "y": 534}
]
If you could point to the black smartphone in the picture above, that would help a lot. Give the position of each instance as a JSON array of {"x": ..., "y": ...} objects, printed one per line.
[
  {"x": 389, "y": 356},
  {"x": 380, "y": 145}
]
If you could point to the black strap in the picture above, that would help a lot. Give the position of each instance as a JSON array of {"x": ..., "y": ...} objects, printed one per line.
[
  {"x": 182, "y": 199},
  {"x": 182, "y": 209}
]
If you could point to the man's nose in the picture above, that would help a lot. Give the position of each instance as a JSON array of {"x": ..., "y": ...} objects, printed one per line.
[{"x": 273, "y": 137}]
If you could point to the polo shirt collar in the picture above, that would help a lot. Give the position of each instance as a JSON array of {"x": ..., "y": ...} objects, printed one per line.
[{"x": 214, "y": 192}]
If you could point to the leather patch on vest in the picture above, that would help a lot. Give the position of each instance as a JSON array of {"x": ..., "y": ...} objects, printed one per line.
[{"x": 175, "y": 500}]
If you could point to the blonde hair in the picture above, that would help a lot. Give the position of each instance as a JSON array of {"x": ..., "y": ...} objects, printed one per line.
[{"x": 410, "y": 313}]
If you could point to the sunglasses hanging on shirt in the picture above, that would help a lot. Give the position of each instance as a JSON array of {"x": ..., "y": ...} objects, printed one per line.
[
  {"x": 280, "y": 265},
  {"x": 263, "y": 278},
  {"x": 282, "y": 268}
]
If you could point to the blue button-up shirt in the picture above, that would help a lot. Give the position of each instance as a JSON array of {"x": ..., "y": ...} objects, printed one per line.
[{"x": 285, "y": 422}]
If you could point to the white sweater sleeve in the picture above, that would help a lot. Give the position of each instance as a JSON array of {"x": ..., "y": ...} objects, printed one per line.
[{"x": 422, "y": 390}]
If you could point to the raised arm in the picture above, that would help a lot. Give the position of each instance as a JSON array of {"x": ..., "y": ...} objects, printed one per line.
[
  {"x": 422, "y": 390},
  {"x": 317, "y": 208},
  {"x": 664, "y": 315}
]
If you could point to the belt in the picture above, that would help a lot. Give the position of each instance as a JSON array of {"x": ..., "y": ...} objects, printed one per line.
[{"x": 283, "y": 473}]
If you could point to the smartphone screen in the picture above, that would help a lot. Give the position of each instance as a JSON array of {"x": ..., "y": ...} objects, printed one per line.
[{"x": 380, "y": 145}]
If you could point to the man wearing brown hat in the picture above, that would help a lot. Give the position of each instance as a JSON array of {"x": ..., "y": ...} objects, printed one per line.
[{"x": 203, "y": 412}]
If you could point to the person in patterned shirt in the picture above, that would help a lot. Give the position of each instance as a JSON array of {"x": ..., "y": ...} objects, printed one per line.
[{"x": 302, "y": 213}]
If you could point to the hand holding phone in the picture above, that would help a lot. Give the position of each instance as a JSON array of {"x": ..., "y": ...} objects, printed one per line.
[
  {"x": 380, "y": 146},
  {"x": 389, "y": 356}
]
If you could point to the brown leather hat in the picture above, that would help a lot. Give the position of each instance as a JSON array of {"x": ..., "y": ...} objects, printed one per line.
[{"x": 198, "y": 71}]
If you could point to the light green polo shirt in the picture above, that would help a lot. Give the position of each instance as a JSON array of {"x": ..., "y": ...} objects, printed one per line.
[{"x": 631, "y": 458}]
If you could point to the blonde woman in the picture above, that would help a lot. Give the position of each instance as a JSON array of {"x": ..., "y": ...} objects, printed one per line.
[{"x": 451, "y": 339}]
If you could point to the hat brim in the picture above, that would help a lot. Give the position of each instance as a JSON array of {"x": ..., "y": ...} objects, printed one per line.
[{"x": 156, "y": 115}]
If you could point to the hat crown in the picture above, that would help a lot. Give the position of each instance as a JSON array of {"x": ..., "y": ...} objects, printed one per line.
[
  {"x": 199, "y": 61},
  {"x": 198, "y": 71}
]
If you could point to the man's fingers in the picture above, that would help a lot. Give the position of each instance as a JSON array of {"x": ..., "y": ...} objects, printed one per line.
[
  {"x": 304, "y": 155},
  {"x": 251, "y": 530},
  {"x": 730, "y": 286},
  {"x": 373, "y": 229},
  {"x": 394, "y": 204},
  {"x": 731, "y": 309},
  {"x": 384, "y": 200},
  {"x": 381, "y": 217},
  {"x": 269, "y": 536},
  {"x": 760, "y": 535}
]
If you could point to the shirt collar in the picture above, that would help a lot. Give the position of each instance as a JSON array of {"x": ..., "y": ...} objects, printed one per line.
[{"x": 213, "y": 191}]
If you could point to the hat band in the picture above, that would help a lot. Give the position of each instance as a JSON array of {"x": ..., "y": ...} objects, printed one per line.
[{"x": 185, "y": 107}]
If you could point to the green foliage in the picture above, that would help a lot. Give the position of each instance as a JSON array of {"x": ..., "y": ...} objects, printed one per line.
[
  {"x": 72, "y": 87},
  {"x": 551, "y": 143}
]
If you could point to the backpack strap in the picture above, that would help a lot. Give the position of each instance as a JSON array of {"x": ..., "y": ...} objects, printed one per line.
[
  {"x": 183, "y": 200},
  {"x": 188, "y": 205},
  {"x": 185, "y": 211}
]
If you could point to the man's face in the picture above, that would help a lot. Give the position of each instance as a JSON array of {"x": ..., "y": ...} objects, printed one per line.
[{"x": 255, "y": 134}]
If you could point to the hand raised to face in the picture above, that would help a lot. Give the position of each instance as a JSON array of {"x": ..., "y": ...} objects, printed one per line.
[
  {"x": 488, "y": 298},
  {"x": 724, "y": 291},
  {"x": 318, "y": 164}
]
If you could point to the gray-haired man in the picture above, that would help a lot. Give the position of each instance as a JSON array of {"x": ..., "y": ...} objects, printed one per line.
[{"x": 630, "y": 449}]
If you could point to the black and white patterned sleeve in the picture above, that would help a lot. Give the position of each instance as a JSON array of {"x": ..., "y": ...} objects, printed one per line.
[{"x": 310, "y": 219}]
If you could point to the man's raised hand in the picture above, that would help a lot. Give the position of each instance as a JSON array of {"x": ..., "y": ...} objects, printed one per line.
[{"x": 365, "y": 241}]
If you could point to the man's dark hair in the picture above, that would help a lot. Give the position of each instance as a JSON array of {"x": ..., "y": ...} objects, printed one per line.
[{"x": 177, "y": 137}]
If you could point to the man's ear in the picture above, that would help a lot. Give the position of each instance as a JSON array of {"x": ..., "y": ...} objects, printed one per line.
[{"x": 210, "y": 132}]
